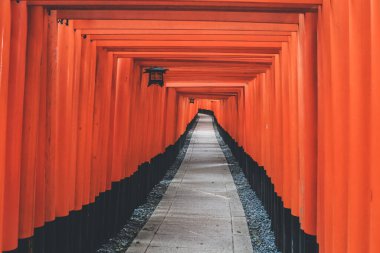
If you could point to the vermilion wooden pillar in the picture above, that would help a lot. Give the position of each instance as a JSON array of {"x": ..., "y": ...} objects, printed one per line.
[
  {"x": 84, "y": 131},
  {"x": 5, "y": 40},
  {"x": 182, "y": 108},
  {"x": 106, "y": 180},
  {"x": 31, "y": 121},
  {"x": 132, "y": 155},
  {"x": 241, "y": 113},
  {"x": 338, "y": 127},
  {"x": 318, "y": 142},
  {"x": 278, "y": 126},
  {"x": 82, "y": 140},
  {"x": 51, "y": 114},
  {"x": 161, "y": 118},
  {"x": 123, "y": 80},
  {"x": 111, "y": 123},
  {"x": 65, "y": 174},
  {"x": 171, "y": 112},
  {"x": 74, "y": 76},
  {"x": 323, "y": 102},
  {"x": 307, "y": 130},
  {"x": 14, "y": 124},
  {"x": 285, "y": 123},
  {"x": 151, "y": 107},
  {"x": 358, "y": 172},
  {"x": 269, "y": 125},
  {"x": 101, "y": 125},
  {"x": 40, "y": 169},
  {"x": 75, "y": 72},
  {"x": 375, "y": 126},
  {"x": 247, "y": 114},
  {"x": 293, "y": 166},
  {"x": 142, "y": 130},
  {"x": 90, "y": 68}
]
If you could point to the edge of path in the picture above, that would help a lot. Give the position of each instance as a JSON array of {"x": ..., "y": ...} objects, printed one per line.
[
  {"x": 123, "y": 239},
  {"x": 258, "y": 221}
]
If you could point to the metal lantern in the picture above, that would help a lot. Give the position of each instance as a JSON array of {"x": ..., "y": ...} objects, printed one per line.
[
  {"x": 156, "y": 75},
  {"x": 191, "y": 100}
]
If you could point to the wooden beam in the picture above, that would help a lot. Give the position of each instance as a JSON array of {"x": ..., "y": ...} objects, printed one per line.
[
  {"x": 203, "y": 37},
  {"x": 226, "y": 5},
  {"x": 183, "y": 25},
  {"x": 168, "y": 31},
  {"x": 214, "y": 16}
]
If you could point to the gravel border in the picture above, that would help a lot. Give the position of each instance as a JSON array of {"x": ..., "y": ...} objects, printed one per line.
[
  {"x": 258, "y": 221},
  {"x": 122, "y": 241}
]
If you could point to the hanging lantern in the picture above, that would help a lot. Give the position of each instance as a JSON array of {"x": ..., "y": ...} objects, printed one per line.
[
  {"x": 191, "y": 100},
  {"x": 156, "y": 75}
]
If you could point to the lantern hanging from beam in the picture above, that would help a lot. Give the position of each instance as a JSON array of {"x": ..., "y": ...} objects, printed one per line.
[
  {"x": 191, "y": 100},
  {"x": 156, "y": 75}
]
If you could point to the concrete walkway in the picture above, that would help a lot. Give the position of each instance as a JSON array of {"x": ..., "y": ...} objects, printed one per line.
[{"x": 201, "y": 210}]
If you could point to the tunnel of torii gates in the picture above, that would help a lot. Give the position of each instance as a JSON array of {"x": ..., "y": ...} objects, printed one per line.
[{"x": 295, "y": 84}]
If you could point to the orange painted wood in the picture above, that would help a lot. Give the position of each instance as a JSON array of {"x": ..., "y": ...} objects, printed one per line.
[
  {"x": 40, "y": 181},
  {"x": 167, "y": 31},
  {"x": 101, "y": 124},
  {"x": 51, "y": 114},
  {"x": 75, "y": 59},
  {"x": 84, "y": 128},
  {"x": 89, "y": 176},
  {"x": 71, "y": 125},
  {"x": 359, "y": 191},
  {"x": 171, "y": 120},
  {"x": 131, "y": 155},
  {"x": 5, "y": 42},
  {"x": 225, "y": 4},
  {"x": 278, "y": 129},
  {"x": 322, "y": 105},
  {"x": 259, "y": 17},
  {"x": 30, "y": 122},
  {"x": 77, "y": 172},
  {"x": 308, "y": 125},
  {"x": 80, "y": 115},
  {"x": 65, "y": 176},
  {"x": 375, "y": 124},
  {"x": 340, "y": 112},
  {"x": 14, "y": 125},
  {"x": 158, "y": 24},
  {"x": 108, "y": 160},
  {"x": 293, "y": 127},
  {"x": 271, "y": 47},
  {"x": 285, "y": 124},
  {"x": 121, "y": 117}
]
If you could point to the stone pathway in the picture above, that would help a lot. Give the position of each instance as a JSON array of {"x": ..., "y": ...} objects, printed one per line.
[{"x": 201, "y": 210}]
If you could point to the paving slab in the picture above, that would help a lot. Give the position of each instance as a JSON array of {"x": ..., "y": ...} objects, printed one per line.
[{"x": 201, "y": 210}]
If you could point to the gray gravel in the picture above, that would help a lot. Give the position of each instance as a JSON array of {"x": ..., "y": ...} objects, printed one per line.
[
  {"x": 141, "y": 214},
  {"x": 259, "y": 223}
]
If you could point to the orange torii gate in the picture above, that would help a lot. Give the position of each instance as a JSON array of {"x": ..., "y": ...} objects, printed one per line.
[{"x": 295, "y": 83}]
